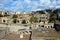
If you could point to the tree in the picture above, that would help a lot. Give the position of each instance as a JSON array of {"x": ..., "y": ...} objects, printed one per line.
[
  {"x": 1, "y": 14},
  {"x": 48, "y": 10},
  {"x": 53, "y": 15},
  {"x": 56, "y": 11},
  {"x": 5, "y": 13},
  {"x": 41, "y": 12},
  {"x": 14, "y": 20},
  {"x": 33, "y": 19},
  {"x": 23, "y": 22},
  {"x": 14, "y": 16}
]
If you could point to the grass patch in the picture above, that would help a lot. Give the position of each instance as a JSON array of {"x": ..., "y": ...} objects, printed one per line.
[{"x": 41, "y": 35}]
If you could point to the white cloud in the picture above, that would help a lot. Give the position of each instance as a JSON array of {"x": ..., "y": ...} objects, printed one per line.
[
  {"x": 27, "y": 1},
  {"x": 33, "y": 5},
  {"x": 57, "y": 6}
]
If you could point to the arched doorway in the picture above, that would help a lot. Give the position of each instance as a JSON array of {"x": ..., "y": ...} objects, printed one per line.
[{"x": 4, "y": 21}]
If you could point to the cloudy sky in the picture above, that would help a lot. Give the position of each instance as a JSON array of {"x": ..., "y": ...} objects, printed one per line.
[{"x": 28, "y": 5}]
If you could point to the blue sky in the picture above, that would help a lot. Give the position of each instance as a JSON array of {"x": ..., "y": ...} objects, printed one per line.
[{"x": 28, "y": 5}]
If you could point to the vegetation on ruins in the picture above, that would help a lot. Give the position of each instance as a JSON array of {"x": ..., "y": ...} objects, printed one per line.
[
  {"x": 1, "y": 14},
  {"x": 23, "y": 22},
  {"x": 14, "y": 20},
  {"x": 14, "y": 16},
  {"x": 33, "y": 19}
]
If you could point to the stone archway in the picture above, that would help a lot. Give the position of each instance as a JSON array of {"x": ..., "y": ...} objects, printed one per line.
[{"x": 4, "y": 21}]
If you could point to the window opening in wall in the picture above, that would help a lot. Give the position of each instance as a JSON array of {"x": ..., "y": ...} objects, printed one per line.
[
  {"x": 39, "y": 20},
  {"x": 39, "y": 25},
  {"x": 5, "y": 13},
  {"x": 42, "y": 26},
  {"x": 51, "y": 27},
  {"x": 3, "y": 20},
  {"x": 18, "y": 21}
]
